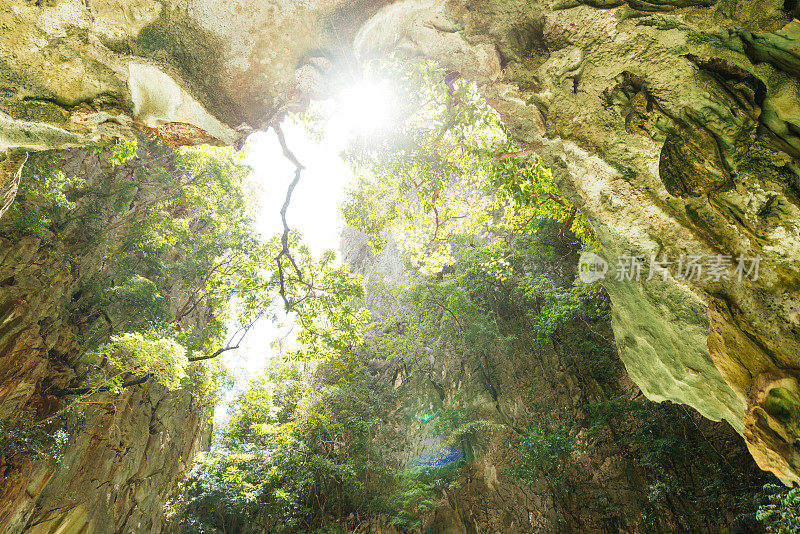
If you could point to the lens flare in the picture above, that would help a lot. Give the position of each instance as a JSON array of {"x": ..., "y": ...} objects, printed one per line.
[
  {"x": 437, "y": 456},
  {"x": 366, "y": 107},
  {"x": 435, "y": 440},
  {"x": 427, "y": 417}
]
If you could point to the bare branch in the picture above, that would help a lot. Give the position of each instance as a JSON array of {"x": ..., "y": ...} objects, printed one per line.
[
  {"x": 286, "y": 152},
  {"x": 440, "y": 224},
  {"x": 568, "y": 223},
  {"x": 214, "y": 354},
  {"x": 516, "y": 154},
  {"x": 556, "y": 199},
  {"x": 83, "y": 391},
  {"x": 243, "y": 330},
  {"x": 11, "y": 193},
  {"x": 285, "y": 251}
]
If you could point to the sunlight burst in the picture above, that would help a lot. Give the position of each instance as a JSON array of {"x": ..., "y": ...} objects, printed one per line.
[{"x": 366, "y": 107}]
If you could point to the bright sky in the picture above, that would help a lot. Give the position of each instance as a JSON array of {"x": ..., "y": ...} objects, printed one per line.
[{"x": 314, "y": 209}]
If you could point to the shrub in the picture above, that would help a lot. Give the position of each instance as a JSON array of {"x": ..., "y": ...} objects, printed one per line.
[
  {"x": 781, "y": 514},
  {"x": 145, "y": 354}
]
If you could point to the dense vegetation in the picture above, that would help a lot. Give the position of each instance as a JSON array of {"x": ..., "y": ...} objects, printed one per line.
[
  {"x": 156, "y": 247},
  {"x": 398, "y": 392},
  {"x": 322, "y": 441}
]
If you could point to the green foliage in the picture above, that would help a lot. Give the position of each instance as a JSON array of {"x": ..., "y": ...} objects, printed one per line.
[
  {"x": 449, "y": 169},
  {"x": 141, "y": 300},
  {"x": 296, "y": 451},
  {"x": 181, "y": 245},
  {"x": 781, "y": 513},
  {"x": 137, "y": 354},
  {"x": 199, "y": 220},
  {"x": 461, "y": 421},
  {"x": 123, "y": 150},
  {"x": 172, "y": 248},
  {"x": 492, "y": 248},
  {"x": 20, "y": 435},
  {"x": 413, "y": 499},
  {"x": 175, "y": 260},
  {"x": 44, "y": 196},
  {"x": 176, "y": 239},
  {"x": 206, "y": 380},
  {"x": 325, "y": 300},
  {"x": 543, "y": 454},
  {"x": 292, "y": 454},
  {"x": 495, "y": 294}
]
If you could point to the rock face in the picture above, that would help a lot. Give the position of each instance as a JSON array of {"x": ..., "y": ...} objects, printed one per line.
[
  {"x": 615, "y": 480},
  {"x": 74, "y": 72},
  {"x": 122, "y": 454},
  {"x": 673, "y": 124},
  {"x": 118, "y": 470}
]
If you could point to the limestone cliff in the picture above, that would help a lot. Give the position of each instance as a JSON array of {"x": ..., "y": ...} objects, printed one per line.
[
  {"x": 673, "y": 124},
  {"x": 639, "y": 470},
  {"x": 122, "y": 454},
  {"x": 74, "y": 72}
]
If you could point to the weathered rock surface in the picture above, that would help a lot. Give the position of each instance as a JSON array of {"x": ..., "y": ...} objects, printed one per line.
[
  {"x": 124, "y": 453},
  {"x": 614, "y": 482},
  {"x": 74, "y": 72},
  {"x": 672, "y": 123}
]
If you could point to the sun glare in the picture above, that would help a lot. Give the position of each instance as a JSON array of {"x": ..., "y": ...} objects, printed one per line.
[
  {"x": 366, "y": 107},
  {"x": 363, "y": 109}
]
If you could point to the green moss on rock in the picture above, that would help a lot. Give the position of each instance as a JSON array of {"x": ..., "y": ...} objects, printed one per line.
[{"x": 174, "y": 39}]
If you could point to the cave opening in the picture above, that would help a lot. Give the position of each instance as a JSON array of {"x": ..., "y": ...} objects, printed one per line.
[
  {"x": 391, "y": 311},
  {"x": 467, "y": 253}
]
